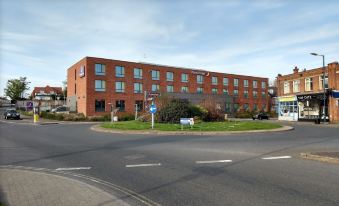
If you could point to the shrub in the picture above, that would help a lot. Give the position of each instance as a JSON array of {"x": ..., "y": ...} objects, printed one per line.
[
  {"x": 126, "y": 117},
  {"x": 244, "y": 114},
  {"x": 174, "y": 110}
]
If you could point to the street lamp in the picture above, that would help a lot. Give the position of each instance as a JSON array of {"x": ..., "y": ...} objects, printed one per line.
[{"x": 324, "y": 98}]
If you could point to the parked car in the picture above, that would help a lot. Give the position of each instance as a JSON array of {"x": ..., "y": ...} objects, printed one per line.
[
  {"x": 60, "y": 109},
  {"x": 260, "y": 116},
  {"x": 11, "y": 114}
]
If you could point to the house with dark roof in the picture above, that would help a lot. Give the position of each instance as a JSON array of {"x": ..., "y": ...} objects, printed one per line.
[{"x": 46, "y": 93}]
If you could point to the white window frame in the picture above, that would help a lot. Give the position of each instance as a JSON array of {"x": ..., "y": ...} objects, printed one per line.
[
  {"x": 286, "y": 87},
  {"x": 308, "y": 84},
  {"x": 296, "y": 86}
]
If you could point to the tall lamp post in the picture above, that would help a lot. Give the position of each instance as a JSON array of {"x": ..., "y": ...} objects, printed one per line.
[{"x": 324, "y": 97}]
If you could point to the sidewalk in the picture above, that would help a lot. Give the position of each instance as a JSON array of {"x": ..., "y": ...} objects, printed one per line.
[{"x": 30, "y": 188}]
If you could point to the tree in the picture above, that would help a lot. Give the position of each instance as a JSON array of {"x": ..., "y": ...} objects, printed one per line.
[{"x": 16, "y": 87}]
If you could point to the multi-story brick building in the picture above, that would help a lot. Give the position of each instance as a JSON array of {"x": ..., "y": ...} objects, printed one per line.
[
  {"x": 46, "y": 93},
  {"x": 301, "y": 94},
  {"x": 96, "y": 85}
]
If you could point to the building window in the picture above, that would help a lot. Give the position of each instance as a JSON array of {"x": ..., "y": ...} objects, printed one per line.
[
  {"x": 255, "y": 107},
  {"x": 286, "y": 87},
  {"x": 139, "y": 105},
  {"x": 155, "y": 87},
  {"x": 100, "y": 105},
  {"x": 137, "y": 73},
  {"x": 169, "y": 76},
  {"x": 263, "y": 95},
  {"x": 200, "y": 79},
  {"x": 227, "y": 107},
  {"x": 235, "y": 107},
  {"x": 99, "y": 69},
  {"x": 184, "y": 89},
  {"x": 255, "y": 94},
  {"x": 170, "y": 88},
  {"x": 236, "y": 82},
  {"x": 199, "y": 90},
  {"x": 235, "y": 92},
  {"x": 296, "y": 86},
  {"x": 75, "y": 88},
  {"x": 214, "y": 80},
  {"x": 245, "y": 106},
  {"x": 184, "y": 77},
  {"x": 246, "y": 94},
  {"x": 308, "y": 84},
  {"x": 119, "y": 71},
  {"x": 263, "y": 85},
  {"x": 225, "y": 91},
  {"x": 214, "y": 91},
  {"x": 100, "y": 85},
  {"x": 263, "y": 107},
  {"x": 245, "y": 83},
  {"x": 120, "y": 104},
  {"x": 321, "y": 82},
  {"x": 137, "y": 87},
  {"x": 120, "y": 87},
  {"x": 155, "y": 75},
  {"x": 225, "y": 81},
  {"x": 255, "y": 84}
]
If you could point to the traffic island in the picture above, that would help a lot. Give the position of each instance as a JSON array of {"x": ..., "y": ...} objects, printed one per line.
[
  {"x": 330, "y": 157},
  {"x": 203, "y": 128}
]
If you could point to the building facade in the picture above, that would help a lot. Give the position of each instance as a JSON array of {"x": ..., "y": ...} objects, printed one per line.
[
  {"x": 46, "y": 93},
  {"x": 306, "y": 95},
  {"x": 96, "y": 85}
]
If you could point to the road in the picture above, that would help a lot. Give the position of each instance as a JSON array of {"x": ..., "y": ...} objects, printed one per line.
[{"x": 239, "y": 169}]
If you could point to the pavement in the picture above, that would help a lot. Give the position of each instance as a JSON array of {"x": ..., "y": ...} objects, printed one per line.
[
  {"x": 33, "y": 188},
  {"x": 236, "y": 169}
]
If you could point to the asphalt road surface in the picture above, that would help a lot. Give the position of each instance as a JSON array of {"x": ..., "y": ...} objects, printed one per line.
[{"x": 238, "y": 169}]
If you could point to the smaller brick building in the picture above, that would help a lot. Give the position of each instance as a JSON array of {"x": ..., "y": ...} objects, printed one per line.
[
  {"x": 46, "y": 93},
  {"x": 95, "y": 85},
  {"x": 301, "y": 94}
]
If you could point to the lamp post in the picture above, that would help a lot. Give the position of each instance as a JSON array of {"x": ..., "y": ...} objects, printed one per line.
[{"x": 324, "y": 97}]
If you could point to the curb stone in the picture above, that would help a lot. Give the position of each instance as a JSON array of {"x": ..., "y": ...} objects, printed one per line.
[
  {"x": 319, "y": 158},
  {"x": 98, "y": 128}
]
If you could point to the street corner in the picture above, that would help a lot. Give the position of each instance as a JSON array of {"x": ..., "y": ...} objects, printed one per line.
[{"x": 329, "y": 157}]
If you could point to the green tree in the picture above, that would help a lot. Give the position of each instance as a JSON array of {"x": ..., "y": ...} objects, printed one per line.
[{"x": 16, "y": 87}]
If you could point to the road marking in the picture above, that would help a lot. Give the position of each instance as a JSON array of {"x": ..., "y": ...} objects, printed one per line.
[
  {"x": 278, "y": 157},
  {"x": 73, "y": 168},
  {"x": 212, "y": 161},
  {"x": 144, "y": 165}
]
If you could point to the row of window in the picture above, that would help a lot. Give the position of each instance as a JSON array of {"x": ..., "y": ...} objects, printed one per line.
[
  {"x": 308, "y": 84},
  {"x": 100, "y": 105},
  {"x": 120, "y": 72},
  {"x": 100, "y": 86}
]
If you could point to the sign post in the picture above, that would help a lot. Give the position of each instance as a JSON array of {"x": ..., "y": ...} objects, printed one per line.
[{"x": 153, "y": 109}]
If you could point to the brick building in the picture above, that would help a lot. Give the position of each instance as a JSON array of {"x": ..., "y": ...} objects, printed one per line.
[
  {"x": 46, "y": 93},
  {"x": 301, "y": 94},
  {"x": 96, "y": 84}
]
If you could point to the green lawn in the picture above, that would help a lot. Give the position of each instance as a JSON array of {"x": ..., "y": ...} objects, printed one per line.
[{"x": 203, "y": 126}]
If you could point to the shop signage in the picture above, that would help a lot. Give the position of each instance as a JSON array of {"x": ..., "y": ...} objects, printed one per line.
[
  {"x": 82, "y": 71},
  {"x": 201, "y": 73},
  {"x": 287, "y": 99},
  {"x": 310, "y": 96},
  {"x": 335, "y": 93}
]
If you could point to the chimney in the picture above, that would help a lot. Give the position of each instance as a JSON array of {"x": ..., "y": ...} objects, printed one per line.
[{"x": 295, "y": 70}]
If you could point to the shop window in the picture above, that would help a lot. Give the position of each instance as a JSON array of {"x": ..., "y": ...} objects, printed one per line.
[
  {"x": 100, "y": 105},
  {"x": 120, "y": 104}
]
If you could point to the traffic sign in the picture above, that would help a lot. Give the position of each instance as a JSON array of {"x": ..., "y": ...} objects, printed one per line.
[{"x": 153, "y": 109}]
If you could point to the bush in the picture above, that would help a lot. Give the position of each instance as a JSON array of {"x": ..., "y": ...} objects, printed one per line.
[
  {"x": 174, "y": 110},
  {"x": 244, "y": 114},
  {"x": 126, "y": 117}
]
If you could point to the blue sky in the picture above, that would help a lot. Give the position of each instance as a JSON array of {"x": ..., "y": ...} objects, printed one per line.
[{"x": 41, "y": 39}]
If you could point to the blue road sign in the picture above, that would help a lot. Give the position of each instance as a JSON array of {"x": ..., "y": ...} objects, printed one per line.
[{"x": 153, "y": 109}]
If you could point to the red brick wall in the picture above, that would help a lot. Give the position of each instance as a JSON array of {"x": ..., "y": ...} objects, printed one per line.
[{"x": 111, "y": 96}]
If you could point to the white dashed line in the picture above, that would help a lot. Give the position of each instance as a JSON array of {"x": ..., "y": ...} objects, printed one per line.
[
  {"x": 73, "y": 168},
  {"x": 212, "y": 161},
  {"x": 278, "y": 157},
  {"x": 144, "y": 165}
]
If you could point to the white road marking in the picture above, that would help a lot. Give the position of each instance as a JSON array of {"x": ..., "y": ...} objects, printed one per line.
[
  {"x": 212, "y": 161},
  {"x": 73, "y": 168},
  {"x": 144, "y": 165},
  {"x": 278, "y": 157}
]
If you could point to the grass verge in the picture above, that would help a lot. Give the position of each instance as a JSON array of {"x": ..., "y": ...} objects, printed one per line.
[{"x": 203, "y": 126}]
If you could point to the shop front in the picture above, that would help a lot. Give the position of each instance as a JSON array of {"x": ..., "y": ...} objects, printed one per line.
[
  {"x": 288, "y": 108},
  {"x": 310, "y": 107}
]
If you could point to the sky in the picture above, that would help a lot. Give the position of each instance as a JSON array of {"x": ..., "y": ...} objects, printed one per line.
[{"x": 40, "y": 39}]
